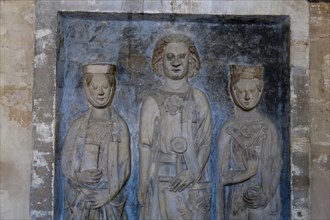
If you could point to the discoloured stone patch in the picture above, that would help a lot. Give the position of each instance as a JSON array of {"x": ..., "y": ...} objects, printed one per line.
[
  {"x": 44, "y": 132},
  {"x": 184, "y": 6},
  {"x": 39, "y": 159},
  {"x": 320, "y": 105},
  {"x": 42, "y": 33},
  {"x": 323, "y": 162},
  {"x": 300, "y": 214},
  {"x": 22, "y": 117},
  {"x": 37, "y": 181},
  {"x": 16, "y": 58},
  {"x": 40, "y": 60}
]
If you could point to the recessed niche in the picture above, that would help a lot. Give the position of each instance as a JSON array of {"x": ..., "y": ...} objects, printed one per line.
[{"x": 128, "y": 41}]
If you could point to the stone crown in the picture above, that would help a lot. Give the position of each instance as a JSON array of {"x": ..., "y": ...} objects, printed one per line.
[
  {"x": 246, "y": 72},
  {"x": 100, "y": 69}
]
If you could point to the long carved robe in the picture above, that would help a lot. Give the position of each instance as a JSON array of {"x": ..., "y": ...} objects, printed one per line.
[
  {"x": 261, "y": 135},
  {"x": 114, "y": 161},
  {"x": 165, "y": 117}
]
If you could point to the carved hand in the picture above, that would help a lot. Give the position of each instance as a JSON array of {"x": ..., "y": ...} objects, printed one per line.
[
  {"x": 181, "y": 181},
  {"x": 251, "y": 161},
  {"x": 97, "y": 199},
  {"x": 89, "y": 176},
  {"x": 254, "y": 198}
]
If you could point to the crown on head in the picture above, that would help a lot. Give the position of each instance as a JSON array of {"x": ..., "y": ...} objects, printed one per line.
[
  {"x": 100, "y": 69},
  {"x": 246, "y": 72}
]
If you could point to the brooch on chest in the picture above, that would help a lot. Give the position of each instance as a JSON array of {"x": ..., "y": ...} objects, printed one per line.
[{"x": 173, "y": 104}]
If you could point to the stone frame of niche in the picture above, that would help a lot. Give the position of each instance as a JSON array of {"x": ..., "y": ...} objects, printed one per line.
[{"x": 44, "y": 86}]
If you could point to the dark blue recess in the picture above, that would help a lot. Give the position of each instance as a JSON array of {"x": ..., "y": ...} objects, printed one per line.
[{"x": 128, "y": 40}]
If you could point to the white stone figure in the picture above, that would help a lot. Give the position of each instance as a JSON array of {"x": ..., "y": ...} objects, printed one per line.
[
  {"x": 175, "y": 137},
  {"x": 250, "y": 149},
  {"x": 96, "y": 153}
]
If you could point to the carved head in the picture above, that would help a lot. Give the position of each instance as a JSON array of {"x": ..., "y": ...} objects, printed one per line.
[
  {"x": 175, "y": 56},
  {"x": 100, "y": 84},
  {"x": 246, "y": 85}
]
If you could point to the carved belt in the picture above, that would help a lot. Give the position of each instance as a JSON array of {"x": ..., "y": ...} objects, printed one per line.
[
  {"x": 196, "y": 186},
  {"x": 167, "y": 158}
]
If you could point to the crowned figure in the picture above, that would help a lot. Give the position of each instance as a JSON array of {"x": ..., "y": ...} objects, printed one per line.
[
  {"x": 250, "y": 152},
  {"x": 96, "y": 153}
]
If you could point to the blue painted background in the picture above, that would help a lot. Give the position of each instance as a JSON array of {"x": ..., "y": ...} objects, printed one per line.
[{"x": 128, "y": 40}]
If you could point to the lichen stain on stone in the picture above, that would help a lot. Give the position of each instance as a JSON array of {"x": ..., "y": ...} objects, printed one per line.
[
  {"x": 42, "y": 33},
  {"x": 299, "y": 214},
  {"x": 24, "y": 118},
  {"x": 40, "y": 214},
  {"x": 36, "y": 180},
  {"x": 8, "y": 174},
  {"x": 15, "y": 98},
  {"x": 40, "y": 60},
  {"x": 29, "y": 13},
  {"x": 184, "y": 6},
  {"x": 320, "y": 9},
  {"x": 296, "y": 171},
  {"x": 300, "y": 144},
  {"x": 12, "y": 95},
  {"x": 44, "y": 132},
  {"x": 325, "y": 68},
  {"x": 39, "y": 159},
  {"x": 323, "y": 162}
]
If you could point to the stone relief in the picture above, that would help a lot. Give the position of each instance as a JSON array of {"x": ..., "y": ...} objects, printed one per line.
[
  {"x": 96, "y": 153},
  {"x": 175, "y": 137},
  {"x": 250, "y": 149}
]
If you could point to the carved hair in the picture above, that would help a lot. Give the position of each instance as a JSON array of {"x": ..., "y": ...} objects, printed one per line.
[{"x": 194, "y": 62}]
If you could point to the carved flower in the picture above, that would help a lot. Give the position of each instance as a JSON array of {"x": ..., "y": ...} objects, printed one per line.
[
  {"x": 250, "y": 129},
  {"x": 173, "y": 104}
]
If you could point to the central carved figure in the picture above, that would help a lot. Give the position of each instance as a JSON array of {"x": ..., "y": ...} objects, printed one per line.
[{"x": 175, "y": 137}]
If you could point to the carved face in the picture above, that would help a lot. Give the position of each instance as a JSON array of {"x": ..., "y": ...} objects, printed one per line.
[
  {"x": 176, "y": 61},
  {"x": 246, "y": 93},
  {"x": 100, "y": 91}
]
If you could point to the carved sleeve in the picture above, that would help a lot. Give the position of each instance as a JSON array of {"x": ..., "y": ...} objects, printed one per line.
[
  {"x": 271, "y": 170},
  {"x": 124, "y": 155},
  {"x": 204, "y": 129},
  {"x": 149, "y": 112},
  {"x": 223, "y": 155},
  {"x": 68, "y": 151},
  {"x": 222, "y": 167}
]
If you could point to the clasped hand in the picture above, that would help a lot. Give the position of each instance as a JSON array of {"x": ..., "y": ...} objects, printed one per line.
[
  {"x": 97, "y": 199},
  {"x": 254, "y": 198},
  {"x": 181, "y": 181},
  {"x": 251, "y": 162}
]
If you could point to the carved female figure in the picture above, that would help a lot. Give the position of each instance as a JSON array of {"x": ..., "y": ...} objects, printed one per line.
[
  {"x": 96, "y": 153},
  {"x": 175, "y": 136},
  {"x": 251, "y": 152}
]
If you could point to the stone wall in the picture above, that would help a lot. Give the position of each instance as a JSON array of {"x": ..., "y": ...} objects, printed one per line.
[
  {"x": 17, "y": 54},
  {"x": 320, "y": 108}
]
